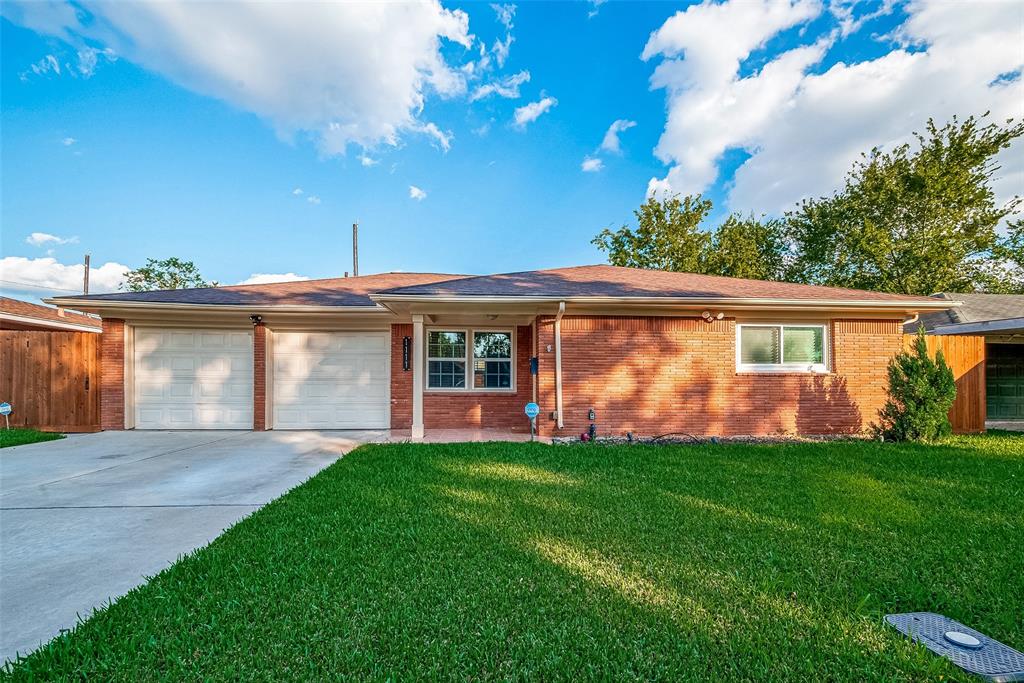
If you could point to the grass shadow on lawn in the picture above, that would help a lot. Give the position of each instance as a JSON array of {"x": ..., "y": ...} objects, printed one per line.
[{"x": 525, "y": 561}]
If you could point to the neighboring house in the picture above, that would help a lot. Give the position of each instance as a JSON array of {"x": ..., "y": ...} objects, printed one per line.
[
  {"x": 999, "y": 318},
  {"x": 22, "y": 315},
  {"x": 643, "y": 351}
]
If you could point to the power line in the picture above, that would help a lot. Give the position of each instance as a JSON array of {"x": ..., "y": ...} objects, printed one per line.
[{"x": 47, "y": 289}]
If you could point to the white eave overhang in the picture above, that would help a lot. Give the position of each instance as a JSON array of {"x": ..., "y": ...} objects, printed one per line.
[
  {"x": 100, "y": 305},
  {"x": 395, "y": 301},
  {"x": 390, "y": 305}
]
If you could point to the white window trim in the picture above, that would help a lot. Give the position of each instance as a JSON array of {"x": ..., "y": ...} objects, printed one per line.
[
  {"x": 468, "y": 359},
  {"x": 769, "y": 368}
]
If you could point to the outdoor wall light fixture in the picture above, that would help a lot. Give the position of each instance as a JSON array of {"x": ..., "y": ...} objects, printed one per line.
[
  {"x": 256, "y": 319},
  {"x": 709, "y": 316}
]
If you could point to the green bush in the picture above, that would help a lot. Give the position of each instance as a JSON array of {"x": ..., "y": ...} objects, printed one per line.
[{"x": 921, "y": 392}]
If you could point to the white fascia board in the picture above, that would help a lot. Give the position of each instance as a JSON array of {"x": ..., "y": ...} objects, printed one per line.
[
  {"x": 99, "y": 304},
  {"x": 730, "y": 302}
]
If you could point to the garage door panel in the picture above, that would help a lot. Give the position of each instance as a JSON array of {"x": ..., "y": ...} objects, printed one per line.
[
  {"x": 193, "y": 379},
  {"x": 331, "y": 380}
]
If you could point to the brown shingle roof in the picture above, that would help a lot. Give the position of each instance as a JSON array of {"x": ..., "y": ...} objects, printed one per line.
[
  {"x": 44, "y": 313},
  {"x": 345, "y": 291},
  {"x": 614, "y": 281}
]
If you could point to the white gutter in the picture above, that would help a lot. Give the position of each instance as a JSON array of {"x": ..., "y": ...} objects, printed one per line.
[
  {"x": 229, "y": 308},
  {"x": 732, "y": 302},
  {"x": 45, "y": 322},
  {"x": 558, "y": 364}
]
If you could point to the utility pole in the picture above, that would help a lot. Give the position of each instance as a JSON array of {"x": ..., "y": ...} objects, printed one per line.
[
  {"x": 355, "y": 249},
  {"x": 85, "y": 280}
]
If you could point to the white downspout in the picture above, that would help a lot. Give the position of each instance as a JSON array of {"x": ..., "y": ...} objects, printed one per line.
[{"x": 558, "y": 364}]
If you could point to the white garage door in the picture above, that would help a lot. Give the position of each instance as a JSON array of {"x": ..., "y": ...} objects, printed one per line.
[
  {"x": 193, "y": 379},
  {"x": 331, "y": 380}
]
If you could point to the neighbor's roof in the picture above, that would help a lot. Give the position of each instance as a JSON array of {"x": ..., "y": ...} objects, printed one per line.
[
  {"x": 342, "y": 291},
  {"x": 976, "y": 308},
  {"x": 24, "y": 312},
  {"x": 603, "y": 281}
]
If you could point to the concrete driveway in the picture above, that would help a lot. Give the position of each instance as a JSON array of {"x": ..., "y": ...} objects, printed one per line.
[{"x": 88, "y": 518}]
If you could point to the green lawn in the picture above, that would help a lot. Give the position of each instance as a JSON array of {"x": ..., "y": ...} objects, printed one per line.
[
  {"x": 18, "y": 437},
  {"x": 523, "y": 561}
]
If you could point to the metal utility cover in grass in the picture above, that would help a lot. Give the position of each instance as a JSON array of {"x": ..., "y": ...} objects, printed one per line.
[{"x": 970, "y": 650}]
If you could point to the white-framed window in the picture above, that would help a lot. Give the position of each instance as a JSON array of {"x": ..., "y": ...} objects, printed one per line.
[
  {"x": 470, "y": 360},
  {"x": 790, "y": 347}
]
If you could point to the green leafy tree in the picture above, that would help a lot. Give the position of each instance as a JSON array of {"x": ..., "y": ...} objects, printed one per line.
[
  {"x": 747, "y": 247},
  {"x": 169, "y": 273},
  {"x": 1005, "y": 274},
  {"x": 670, "y": 235},
  {"x": 914, "y": 220},
  {"x": 921, "y": 392}
]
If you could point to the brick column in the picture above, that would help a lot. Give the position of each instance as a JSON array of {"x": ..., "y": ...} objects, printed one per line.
[
  {"x": 259, "y": 377},
  {"x": 112, "y": 374}
]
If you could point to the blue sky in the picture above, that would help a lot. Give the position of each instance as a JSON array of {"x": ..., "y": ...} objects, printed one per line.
[{"x": 162, "y": 133}]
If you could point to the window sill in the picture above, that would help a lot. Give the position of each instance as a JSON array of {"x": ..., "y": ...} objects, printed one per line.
[
  {"x": 470, "y": 391},
  {"x": 783, "y": 371}
]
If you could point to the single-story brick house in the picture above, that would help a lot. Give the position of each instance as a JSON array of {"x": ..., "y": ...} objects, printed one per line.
[{"x": 641, "y": 351}]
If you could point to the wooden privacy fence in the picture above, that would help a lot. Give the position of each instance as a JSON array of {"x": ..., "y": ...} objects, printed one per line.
[
  {"x": 965, "y": 356},
  {"x": 52, "y": 379}
]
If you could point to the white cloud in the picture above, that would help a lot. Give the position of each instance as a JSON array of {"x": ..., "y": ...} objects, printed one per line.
[
  {"x": 297, "y": 191},
  {"x": 41, "y": 239},
  {"x": 442, "y": 138},
  {"x": 42, "y": 275},
  {"x": 267, "y": 278},
  {"x": 319, "y": 70},
  {"x": 803, "y": 130},
  {"x": 610, "y": 143},
  {"x": 501, "y": 48},
  {"x": 507, "y": 87},
  {"x": 849, "y": 22},
  {"x": 528, "y": 113},
  {"x": 89, "y": 57},
  {"x": 595, "y": 5},
  {"x": 591, "y": 164},
  {"x": 46, "y": 65},
  {"x": 67, "y": 142},
  {"x": 368, "y": 161},
  {"x": 313, "y": 199},
  {"x": 505, "y": 14},
  {"x": 416, "y": 193}
]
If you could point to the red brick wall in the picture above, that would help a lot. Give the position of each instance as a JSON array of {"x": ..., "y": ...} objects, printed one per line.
[
  {"x": 112, "y": 374},
  {"x": 259, "y": 377},
  {"x": 401, "y": 380},
  {"x": 658, "y": 375},
  {"x": 458, "y": 410}
]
